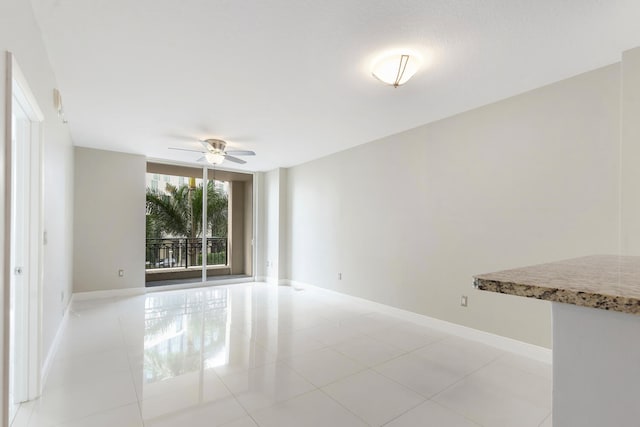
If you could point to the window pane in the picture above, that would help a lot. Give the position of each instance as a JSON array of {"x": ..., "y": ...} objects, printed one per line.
[
  {"x": 217, "y": 226},
  {"x": 174, "y": 224}
]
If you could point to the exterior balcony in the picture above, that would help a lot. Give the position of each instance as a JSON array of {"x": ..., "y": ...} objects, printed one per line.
[{"x": 180, "y": 258}]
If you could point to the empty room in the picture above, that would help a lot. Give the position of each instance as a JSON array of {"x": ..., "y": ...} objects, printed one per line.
[{"x": 320, "y": 213}]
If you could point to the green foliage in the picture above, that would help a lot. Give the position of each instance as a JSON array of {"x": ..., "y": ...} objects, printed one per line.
[
  {"x": 216, "y": 258},
  {"x": 179, "y": 213},
  {"x": 217, "y": 209}
]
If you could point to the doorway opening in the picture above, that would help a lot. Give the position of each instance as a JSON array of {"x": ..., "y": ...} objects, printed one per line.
[{"x": 199, "y": 225}]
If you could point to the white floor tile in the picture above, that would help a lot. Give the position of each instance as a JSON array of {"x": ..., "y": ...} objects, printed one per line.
[
  {"x": 340, "y": 312},
  {"x": 133, "y": 328},
  {"x": 515, "y": 382},
  {"x": 490, "y": 406},
  {"x": 547, "y": 422},
  {"x": 330, "y": 334},
  {"x": 369, "y": 323},
  {"x": 74, "y": 401},
  {"x": 24, "y": 413},
  {"x": 81, "y": 340},
  {"x": 266, "y": 385},
  {"x": 125, "y": 416},
  {"x": 430, "y": 414},
  {"x": 214, "y": 414},
  {"x": 313, "y": 409},
  {"x": 458, "y": 355},
  {"x": 242, "y": 422},
  {"x": 36, "y": 420},
  {"x": 290, "y": 344},
  {"x": 421, "y": 375},
  {"x": 324, "y": 366},
  {"x": 181, "y": 393},
  {"x": 528, "y": 365},
  {"x": 301, "y": 319},
  {"x": 263, "y": 328},
  {"x": 242, "y": 355},
  {"x": 88, "y": 367},
  {"x": 407, "y": 336},
  {"x": 368, "y": 351},
  {"x": 373, "y": 397},
  {"x": 254, "y": 355}
]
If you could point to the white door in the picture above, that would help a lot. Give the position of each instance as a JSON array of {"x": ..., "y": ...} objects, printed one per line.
[
  {"x": 19, "y": 256},
  {"x": 23, "y": 247}
]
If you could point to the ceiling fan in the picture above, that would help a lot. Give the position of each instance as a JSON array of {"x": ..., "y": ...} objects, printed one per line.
[{"x": 215, "y": 153}]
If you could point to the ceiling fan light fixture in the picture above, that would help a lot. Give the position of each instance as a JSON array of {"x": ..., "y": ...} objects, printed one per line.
[
  {"x": 396, "y": 68},
  {"x": 214, "y": 152},
  {"x": 214, "y": 158}
]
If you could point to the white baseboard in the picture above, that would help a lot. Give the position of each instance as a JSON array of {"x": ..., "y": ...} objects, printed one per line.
[
  {"x": 128, "y": 292},
  {"x": 199, "y": 284},
  {"x": 532, "y": 351},
  {"x": 51, "y": 354},
  {"x": 272, "y": 280}
]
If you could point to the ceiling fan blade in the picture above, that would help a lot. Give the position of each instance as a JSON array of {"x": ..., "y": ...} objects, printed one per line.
[
  {"x": 201, "y": 159},
  {"x": 234, "y": 159},
  {"x": 241, "y": 152},
  {"x": 186, "y": 149}
]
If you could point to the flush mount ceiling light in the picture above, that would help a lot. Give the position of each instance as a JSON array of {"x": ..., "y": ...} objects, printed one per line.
[{"x": 396, "y": 68}]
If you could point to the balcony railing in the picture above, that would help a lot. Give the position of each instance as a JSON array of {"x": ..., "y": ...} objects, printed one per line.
[{"x": 184, "y": 252}]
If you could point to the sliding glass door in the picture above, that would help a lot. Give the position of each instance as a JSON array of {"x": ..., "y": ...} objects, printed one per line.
[
  {"x": 188, "y": 233},
  {"x": 177, "y": 205},
  {"x": 217, "y": 229}
]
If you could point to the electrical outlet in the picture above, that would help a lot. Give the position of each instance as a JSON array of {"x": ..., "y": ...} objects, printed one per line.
[
  {"x": 463, "y": 301},
  {"x": 120, "y": 273},
  {"x": 339, "y": 276}
]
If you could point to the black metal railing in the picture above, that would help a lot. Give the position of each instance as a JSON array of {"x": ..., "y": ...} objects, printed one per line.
[{"x": 184, "y": 252}]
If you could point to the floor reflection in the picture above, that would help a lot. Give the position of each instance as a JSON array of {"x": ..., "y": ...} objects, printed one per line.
[{"x": 185, "y": 336}]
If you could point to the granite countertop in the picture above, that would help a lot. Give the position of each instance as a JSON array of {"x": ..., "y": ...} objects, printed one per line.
[{"x": 608, "y": 282}]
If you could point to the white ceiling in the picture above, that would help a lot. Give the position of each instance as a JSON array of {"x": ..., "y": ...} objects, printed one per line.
[{"x": 290, "y": 79}]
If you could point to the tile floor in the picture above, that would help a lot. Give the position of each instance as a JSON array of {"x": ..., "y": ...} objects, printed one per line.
[{"x": 259, "y": 355}]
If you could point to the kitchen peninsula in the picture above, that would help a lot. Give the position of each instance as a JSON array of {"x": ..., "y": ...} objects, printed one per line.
[{"x": 596, "y": 334}]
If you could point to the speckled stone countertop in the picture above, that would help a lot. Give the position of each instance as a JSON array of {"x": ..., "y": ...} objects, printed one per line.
[{"x": 608, "y": 282}]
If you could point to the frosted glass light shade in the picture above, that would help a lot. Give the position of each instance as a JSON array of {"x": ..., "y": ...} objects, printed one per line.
[
  {"x": 214, "y": 158},
  {"x": 395, "y": 69}
]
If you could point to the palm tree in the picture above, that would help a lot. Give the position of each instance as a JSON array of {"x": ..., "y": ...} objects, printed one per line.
[
  {"x": 178, "y": 213},
  {"x": 217, "y": 210}
]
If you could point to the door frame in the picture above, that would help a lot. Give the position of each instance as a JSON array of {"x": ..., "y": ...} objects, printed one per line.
[{"x": 18, "y": 89}]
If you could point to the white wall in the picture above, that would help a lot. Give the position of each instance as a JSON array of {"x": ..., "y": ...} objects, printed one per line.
[
  {"x": 596, "y": 378},
  {"x": 272, "y": 261},
  {"x": 20, "y": 34},
  {"x": 409, "y": 219},
  {"x": 260, "y": 238},
  {"x": 283, "y": 218},
  {"x": 630, "y": 154},
  {"x": 109, "y": 214}
]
